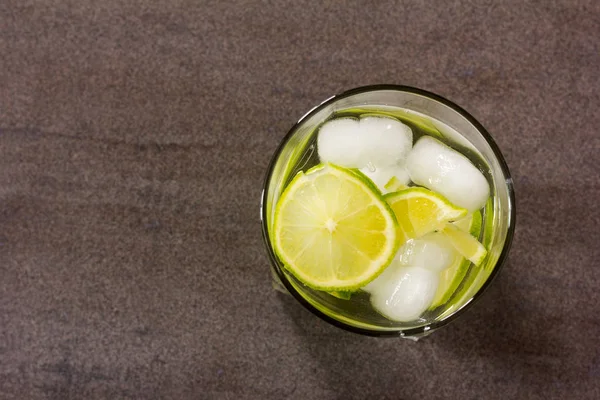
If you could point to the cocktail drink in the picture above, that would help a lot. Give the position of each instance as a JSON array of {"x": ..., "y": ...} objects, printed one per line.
[{"x": 386, "y": 210}]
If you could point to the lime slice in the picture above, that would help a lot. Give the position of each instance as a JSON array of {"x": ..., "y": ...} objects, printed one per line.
[
  {"x": 464, "y": 223},
  {"x": 394, "y": 184},
  {"x": 471, "y": 223},
  {"x": 465, "y": 244},
  {"x": 451, "y": 277},
  {"x": 332, "y": 230},
  {"x": 478, "y": 273},
  {"x": 365, "y": 179},
  {"x": 341, "y": 295},
  {"x": 488, "y": 232},
  {"x": 420, "y": 211}
]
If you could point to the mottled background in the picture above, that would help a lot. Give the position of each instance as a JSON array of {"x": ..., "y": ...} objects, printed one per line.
[{"x": 134, "y": 136}]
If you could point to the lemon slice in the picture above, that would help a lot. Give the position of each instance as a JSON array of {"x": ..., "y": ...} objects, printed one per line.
[
  {"x": 465, "y": 244},
  {"x": 332, "y": 230},
  {"x": 420, "y": 211}
]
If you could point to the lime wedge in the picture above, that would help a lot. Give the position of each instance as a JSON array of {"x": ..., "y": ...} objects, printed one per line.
[
  {"x": 420, "y": 211},
  {"x": 394, "y": 184},
  {"x": 471, "y": 223},
  {"x": 488, "y": 232},
  {"x": 332, "y": 230},
  {"x": 477, "y": 275},
  {"x": 465, "y": 244},
  {"x": 464, "y": 223},
  {"x": 341, "y": 295},
  {"x": 451, "y": 277}
]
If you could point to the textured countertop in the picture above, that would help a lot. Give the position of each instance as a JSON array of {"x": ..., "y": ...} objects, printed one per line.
[{"x": 134, "y": 136}]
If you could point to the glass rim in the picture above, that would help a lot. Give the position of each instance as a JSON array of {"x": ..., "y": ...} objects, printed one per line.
[{"x": 499, "y": 263}]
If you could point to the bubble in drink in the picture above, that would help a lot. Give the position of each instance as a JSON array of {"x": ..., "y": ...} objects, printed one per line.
[{"x": 444, "y": 170}]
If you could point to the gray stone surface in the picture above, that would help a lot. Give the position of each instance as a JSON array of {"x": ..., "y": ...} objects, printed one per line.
[{"x": 134, "y": 136}]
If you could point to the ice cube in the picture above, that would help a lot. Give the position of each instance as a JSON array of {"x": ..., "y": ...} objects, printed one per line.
[
  {"x": 353, "y": 143},
  {"x": 339, "y": 142},
  {"x": 432, "y": 251},
  {"x": 444, "y": 170},
  {"x": 382, "y": 175},
  {"x": 389, "y": 140},
  {"x": 388, "y": 274},
  {"x": 405, "y": 293}
]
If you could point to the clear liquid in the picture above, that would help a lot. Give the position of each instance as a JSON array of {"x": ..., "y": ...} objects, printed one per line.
[{"x": 358, "y": 308}]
